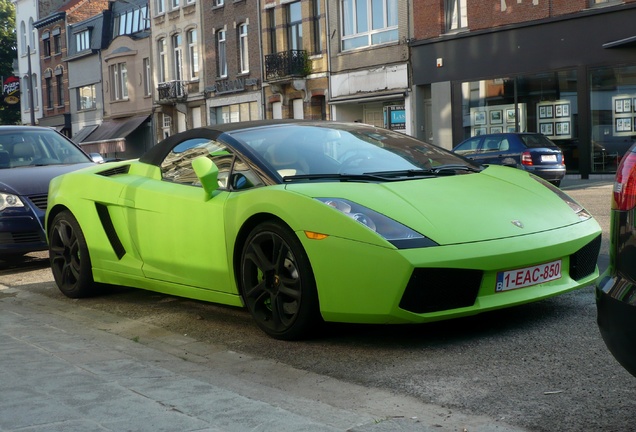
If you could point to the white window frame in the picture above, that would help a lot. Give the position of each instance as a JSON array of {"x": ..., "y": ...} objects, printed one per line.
[
  {"x": 33, "y": 35},
  {"x": 82, "y": 40},
  {"x": 161, "y": 51},
  {"x": 119, "y": 82},
  {"x": 23, "y": 38},
  {"x": 160, "y": 6},
  {"x": 218, "y": 3},
  {"x": 244, "y": 56},
  {"x": 221, "y": 52},
  {"x": 86, "y": 94},
  {"x": 177, "y": 55},
  {"x": 456, "y": 15},
  {"x": 175, "y": 4},
  {"x": 147, "y": 76},
  {"x": 193, "y": 53},
  {"x": 364, "y": 33}
]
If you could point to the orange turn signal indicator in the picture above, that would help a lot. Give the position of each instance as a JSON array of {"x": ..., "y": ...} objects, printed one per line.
[{"x": 315, "y": 236}]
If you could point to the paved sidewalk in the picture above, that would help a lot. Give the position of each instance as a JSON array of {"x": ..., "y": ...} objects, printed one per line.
[{"x": 75, "y": 369}]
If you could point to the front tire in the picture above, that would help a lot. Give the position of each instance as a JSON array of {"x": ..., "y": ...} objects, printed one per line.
[
  {"x": 277, "y": 283},
  {"x": 68, "y": 254}
]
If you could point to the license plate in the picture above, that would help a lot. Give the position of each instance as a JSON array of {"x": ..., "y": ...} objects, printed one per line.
[
  {"x": 548, "y": 158},
  {"x": 528, "y": 276}
]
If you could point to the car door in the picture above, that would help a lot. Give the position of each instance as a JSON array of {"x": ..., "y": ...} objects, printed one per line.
[
  {"x": 178, "y": 232},
  {"x": 469, "y": 148}
]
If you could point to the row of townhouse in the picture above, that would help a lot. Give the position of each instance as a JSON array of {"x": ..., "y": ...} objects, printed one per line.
[{"x": 120, "y": 75}]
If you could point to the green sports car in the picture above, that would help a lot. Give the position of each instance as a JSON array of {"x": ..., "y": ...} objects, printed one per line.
[{"x": 310, "y": 221}]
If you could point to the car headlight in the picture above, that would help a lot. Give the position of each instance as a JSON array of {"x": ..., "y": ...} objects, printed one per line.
[
  {"x": 394, "y": 232},
  {"x": 9, "y": 200},
  {"x": 576, "y": 207}
]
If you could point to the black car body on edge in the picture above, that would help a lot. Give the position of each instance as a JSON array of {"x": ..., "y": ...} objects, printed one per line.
[
  {"x": 616, "y": 288},
  {"x": 30, "y": 156},
  {"x": 532, "y": 152}
]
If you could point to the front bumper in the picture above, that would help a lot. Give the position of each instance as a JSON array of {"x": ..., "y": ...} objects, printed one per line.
[
  {"x": 21, "y": 231},
  {"x": 362, "y": 283},
  {"x": 616, "y": 309}
]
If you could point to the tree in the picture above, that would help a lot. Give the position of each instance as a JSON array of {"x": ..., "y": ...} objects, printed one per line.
[{"x": 9, "y": 114}]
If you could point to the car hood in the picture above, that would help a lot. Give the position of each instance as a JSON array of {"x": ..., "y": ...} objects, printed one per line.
[
  {"x": 497, "y": 203},
  {"x": 33, "y": 180}
]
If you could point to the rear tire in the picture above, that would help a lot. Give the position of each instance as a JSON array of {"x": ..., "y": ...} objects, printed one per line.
[
  {"x": 68, "y": 254},
  {"x": 277, "y": 283}
]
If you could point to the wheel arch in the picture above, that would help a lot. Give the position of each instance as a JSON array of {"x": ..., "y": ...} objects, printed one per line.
[{"x": 50, "y": 216}]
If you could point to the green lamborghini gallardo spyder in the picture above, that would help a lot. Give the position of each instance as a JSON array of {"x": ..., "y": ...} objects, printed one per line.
[{"x": 303, "y": 222}]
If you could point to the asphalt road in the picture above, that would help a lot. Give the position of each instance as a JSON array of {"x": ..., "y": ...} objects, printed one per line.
[{"x": 542, "y": 366}]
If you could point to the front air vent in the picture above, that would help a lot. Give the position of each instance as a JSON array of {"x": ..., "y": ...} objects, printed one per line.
[
  {"x": 39, "y": 201},
  {"x": 439, "y": 289},
  {"x": 122, "y": 169},
  {"x": 583, "y": 261}
]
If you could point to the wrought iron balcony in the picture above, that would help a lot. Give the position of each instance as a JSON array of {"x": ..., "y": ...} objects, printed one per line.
[
  {"x": 287, "y": 64},
  {"x": 172, "y": 91}
]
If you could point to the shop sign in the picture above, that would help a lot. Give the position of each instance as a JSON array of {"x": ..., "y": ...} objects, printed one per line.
[
  {"x": 11, "y": 90},
  {"x": 396, "y": 117},
  {"x": 233, "y": 86}
]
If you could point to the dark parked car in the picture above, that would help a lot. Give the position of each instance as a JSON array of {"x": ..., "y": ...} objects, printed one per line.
[
  {"x": 30, "y": 157},
  {"x": 616, "y": 288},
  {"x": 532, "y": 152}
]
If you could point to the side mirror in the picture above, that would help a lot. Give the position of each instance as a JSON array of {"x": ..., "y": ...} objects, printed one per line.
[
  {"x": 207, "y": 173},
  {"x": 97, "y": 158}
]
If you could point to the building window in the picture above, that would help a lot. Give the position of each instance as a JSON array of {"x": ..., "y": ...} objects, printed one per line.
[
  {"x": 60, "y": 89},
  {"x": 131, "y": 22},
  {"x": 234, "y": 113},
  {"x": 146, "y": 66},
  {"x": 35, "y": 81},
  {"x": 294, "y": 26},
  {"x": 23, "y": 37},
  {"x": 244, "y": 57},
  {"x": 57, "y": 44},
  {"x": 317, "y": 27},
  {"x": 49, "y": 91},
  {"x": 26, "y": 100},
  {"x": 160, "y": 6},
  {"x": 271, "y": 29},
  {"x": 175, "y": 4},
  {"x": 193, "y": 54},
  {"x": 161, "y": 50},
  {"x": 46, "y": 46},
  {"x": 221, "y": 54},
  {"x": 217, "y": 3},
  {"x": 178, "y": 57},
  {"x": 33, "y": 35},
  {"x": 456, "y": 15},
  {"x": 166, "y": 124},
  {"x": 368, "y": 22},
  {"x": 86, "y": 98},
  {"x": 298, "y": 109},
  {"x": 82, "y": 40},
  {"x": 118, "y": 82}
]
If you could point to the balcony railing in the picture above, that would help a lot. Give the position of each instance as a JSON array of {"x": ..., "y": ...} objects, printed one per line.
[
  {"x": 172, "y": 91},
  {"x": 287, "y": 64}
]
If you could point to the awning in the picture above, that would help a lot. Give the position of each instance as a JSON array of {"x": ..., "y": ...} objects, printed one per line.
[
  {"x": 110, "y": 136},
  {"x": 83, "y": 133},
  {"x": 114, "y": 129},
  {"x": 365, "y": 98},
  {"x": 621, "y": 43}
]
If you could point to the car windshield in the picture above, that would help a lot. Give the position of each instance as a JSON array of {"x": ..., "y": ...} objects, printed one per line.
[
  {"x": 536, "y": 141},
  {"x": 334, "y": 149},
  {"x": 37, "y": 147}
]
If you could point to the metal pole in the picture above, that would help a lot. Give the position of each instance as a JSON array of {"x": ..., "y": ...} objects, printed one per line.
[{"x": 30, "y": 86}]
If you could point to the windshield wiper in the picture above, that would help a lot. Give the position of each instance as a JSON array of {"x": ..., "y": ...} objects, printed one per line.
[
  {"x": 337, "y": 177},
  {"x": 449, "y": 168}
]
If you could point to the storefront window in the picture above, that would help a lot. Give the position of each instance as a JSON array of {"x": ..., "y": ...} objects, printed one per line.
[
  {"x": 613, "y": 115},
  {"x": 234, "y": 113},
  {"x": 545, "y": 103}
]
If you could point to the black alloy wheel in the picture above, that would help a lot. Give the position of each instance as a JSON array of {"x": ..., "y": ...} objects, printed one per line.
[
  {"x": 68, "y": 254},
  {"x": 277, "y": 283}
]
